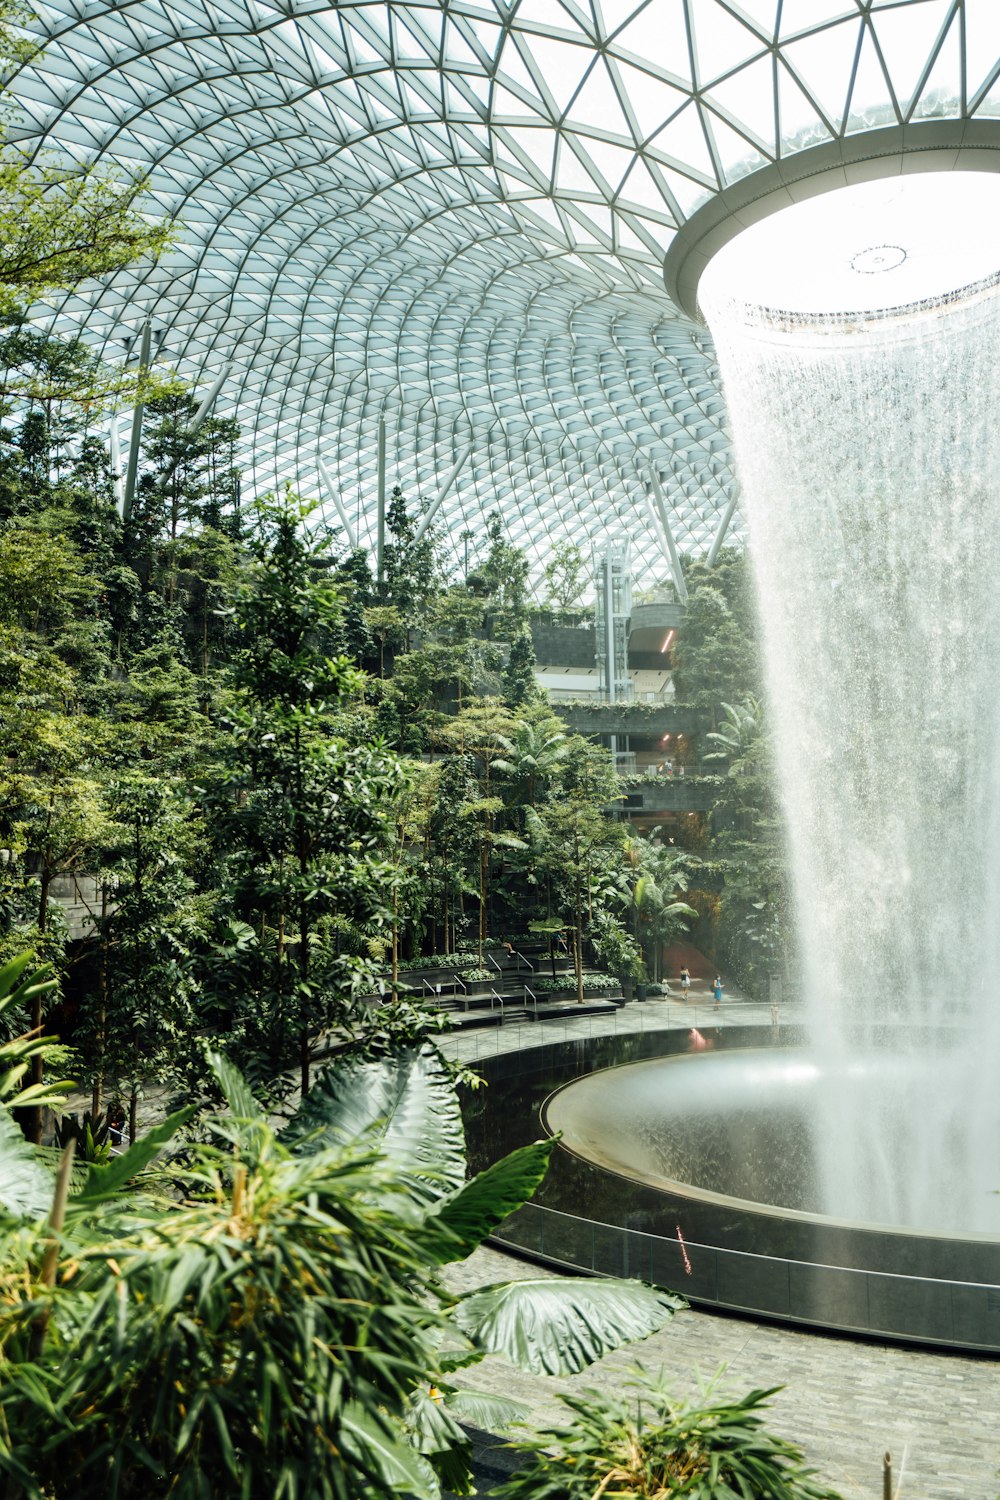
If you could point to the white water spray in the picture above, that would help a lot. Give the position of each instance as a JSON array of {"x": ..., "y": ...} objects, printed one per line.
[{"x": 868, "y": 448}]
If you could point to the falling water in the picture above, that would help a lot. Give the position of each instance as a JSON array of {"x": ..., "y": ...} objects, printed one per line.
[{"x": 868, "y": 450}]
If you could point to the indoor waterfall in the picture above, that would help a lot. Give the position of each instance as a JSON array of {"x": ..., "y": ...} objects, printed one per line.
[{"x": 868, "y": 451}]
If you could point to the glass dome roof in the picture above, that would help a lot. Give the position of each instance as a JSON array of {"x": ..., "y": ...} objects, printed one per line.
[{"x": 455, "y": 215}]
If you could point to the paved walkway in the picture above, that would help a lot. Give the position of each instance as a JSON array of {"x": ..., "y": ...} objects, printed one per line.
[{"x": 846, "y": 1401}]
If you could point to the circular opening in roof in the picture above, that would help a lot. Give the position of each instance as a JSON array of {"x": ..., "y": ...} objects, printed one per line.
[{"x": 865, "y": 249}]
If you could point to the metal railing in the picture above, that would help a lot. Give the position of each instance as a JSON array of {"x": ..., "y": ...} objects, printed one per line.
[
  {"x": 526, "y": 961},
  {"x": 529, "y": 994},
  {"x": 496, "y": 999},
  {"x": 438, "y": 988}
]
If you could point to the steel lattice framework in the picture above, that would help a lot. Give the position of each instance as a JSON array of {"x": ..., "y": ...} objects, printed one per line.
[{"x": 455, "y": 215}]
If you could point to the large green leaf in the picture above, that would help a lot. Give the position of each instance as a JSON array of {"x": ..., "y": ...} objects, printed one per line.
[
  {"x": 26, "y": 1188},
  {"x": 107, "y": 1181},
  {"x": 475, "y": 1210},
  {"x": 399, "y": 1467},
  {"x": 238, "y": 1093},
  {"x": 405, "y": 1105},
  {"x": 491, "y": 1413},
  {"x": 556, "y": 1327}
]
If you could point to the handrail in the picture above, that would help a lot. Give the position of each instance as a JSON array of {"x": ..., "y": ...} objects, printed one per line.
[
  {"x": 534, "y": 998},
  {"x": 495, "y": 995},
  {"x": 491, "y": 960},
  {"x": 527, "y": 962}
]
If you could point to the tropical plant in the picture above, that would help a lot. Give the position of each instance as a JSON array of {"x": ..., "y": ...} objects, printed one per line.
[
  {"x": 265, "y": 1317},
  {"x": 661, "y": 917},
  {"x": 21, "y": 989},
  {"x": 643, "y": 1442}
]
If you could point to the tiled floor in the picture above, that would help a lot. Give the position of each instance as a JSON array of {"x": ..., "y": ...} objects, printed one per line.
[{"x": 845, "y": 1402}]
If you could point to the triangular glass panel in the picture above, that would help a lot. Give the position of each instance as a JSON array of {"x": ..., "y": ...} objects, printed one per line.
[
  {"x": 610, "y": 14},
  {"x": 721, "y": 41},
  {"x": 652, "y": 102},
  {"x": 763, "y": 14},
  {"x": 611, "y": 161},
  {"x": 537, "y": 149},
  {"x": 906, "y": 39},
  {"x": 649, "y": 234},
  {"x": 748, "y": 97},
  {"x": 982, "y": 41},
  {"x": 800, "y": 123},
  {"x": 507, "y": 106},
  {"x": 627, "y": 239},
  {"x": 988, "y": 108},
  {"x": 940, "y": 95},
  {"x": 641, "y": 188},
  {"x": 738, "y": 155},
  {"x": 684, "y": 141},
  {"x": 456, "y": 49},
  {"x": 490, "y": 36},
  {"x": 561, "y": 67},
  {"x": 362, "y": 48},
  {"x": 571, "y": 174},
  {"x": 546, "y": 211},
  {"x": 870, "y": 102},
  {"x": 543, "y": 13},
  {"x": 416, "y": 36},
  {"x": 513, "y": 67},
  {"x": 591, "y": 214},
  {"x": 688, "y": 193},
  {"x": 824, "y": 62},
  {"x": 658, "y": 33},
  {"x": 597, "y": 104}
]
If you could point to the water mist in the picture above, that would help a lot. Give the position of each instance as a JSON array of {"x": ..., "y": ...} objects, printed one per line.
[{"x": 860, "y": 369}]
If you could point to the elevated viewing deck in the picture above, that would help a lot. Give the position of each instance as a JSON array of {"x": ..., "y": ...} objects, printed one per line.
[
  {"x": 662, "y": 794},
  {"x": 639, "y": 718}
]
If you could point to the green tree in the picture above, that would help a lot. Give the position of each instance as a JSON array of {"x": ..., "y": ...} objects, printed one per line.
[
  {"x": 141, "y": 1019},
  {"x": 504, "y": 577},
  {"x": 301, "y": 817},
  {"x": 566, "y": 575},
  {"x": 519, "y": 686},
  {"x": 410, "y": 569},
  {"x": 386, "y": 623}
]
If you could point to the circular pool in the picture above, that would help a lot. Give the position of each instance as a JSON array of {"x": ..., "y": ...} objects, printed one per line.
[{"x": 686, "y": 1158}]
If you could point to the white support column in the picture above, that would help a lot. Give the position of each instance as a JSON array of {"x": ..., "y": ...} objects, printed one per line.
[
  {"x": 660, "y": 503},
  {"x": 331, "y": 489},
  {"x": 720, "y": 535},
  {"x": 117, "y": 488},
  {"x": 656, "y": 527},
  {"x": 380, "y": 529},
  {"x": 137, "y": 414},
  {"x": 198, "y": 420},
  {"x": 435, "y": 504}
]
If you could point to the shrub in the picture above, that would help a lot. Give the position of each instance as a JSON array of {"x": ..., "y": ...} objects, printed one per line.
[{"x": 642, "y": 1443}]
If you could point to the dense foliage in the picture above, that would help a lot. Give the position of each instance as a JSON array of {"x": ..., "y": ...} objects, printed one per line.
[
  {"x": 742, "y": 892},
  {"x": 262, "y": 1313}
]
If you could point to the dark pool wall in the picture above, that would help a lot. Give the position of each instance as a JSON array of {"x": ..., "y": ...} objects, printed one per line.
[{"x": 931, "y": 1289}]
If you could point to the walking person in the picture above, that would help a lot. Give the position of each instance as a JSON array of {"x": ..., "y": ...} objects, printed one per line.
[
  {"x": 717, "y": 990},
  {"x": 685, "y": 981}
]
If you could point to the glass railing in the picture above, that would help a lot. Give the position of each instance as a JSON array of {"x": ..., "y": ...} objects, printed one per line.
[{"x": 884, "y": 1304}]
